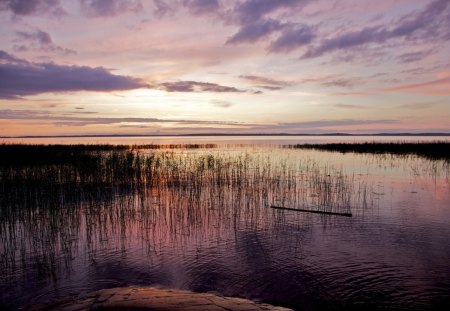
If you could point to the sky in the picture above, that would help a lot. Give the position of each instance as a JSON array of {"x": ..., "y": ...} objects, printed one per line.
[{"x": 82, "y": 67}]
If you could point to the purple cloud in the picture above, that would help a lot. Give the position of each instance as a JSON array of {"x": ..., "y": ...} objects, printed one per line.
[
  {"x": 293, "y": 38},
  {"x": 22, "y": 78},
  {"x": 341, "y": 82},
  {"x": 431, "y": 23},
  {"x": 266, "y": 83},
  {"x": 39, "y": 36},
  {"x": 253, "y": 18},
  {"x": 250, "y": 11},
  {"x": 5, "y": 57},
  {"x": 31, "y": 7},
  {"x": 39, "y": 40},
  {"x": 161, "y": 8},
  {"x": 253, "y": 32},
  {"x": 194, "y": 86},
  {"x": 9, "y": 114},
  {"x": 201, "y": 6},
  {"x": 413, "y": 56},
  {"x": 104, "y": 8}
]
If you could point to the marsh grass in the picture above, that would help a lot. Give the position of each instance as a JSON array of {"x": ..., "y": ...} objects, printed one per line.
[
  {"x": 51, "y": 175},
  {"x": 58, "y": 202},
  {"x": 430, "y": 150}
]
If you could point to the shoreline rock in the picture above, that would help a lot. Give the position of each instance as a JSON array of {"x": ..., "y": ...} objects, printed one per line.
[{"x": 151, "y": 298}]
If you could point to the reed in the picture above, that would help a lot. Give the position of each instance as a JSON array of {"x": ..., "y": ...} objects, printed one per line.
[
  {"x": 58, "y": 201},
  {"x": 431, "y": 150}
]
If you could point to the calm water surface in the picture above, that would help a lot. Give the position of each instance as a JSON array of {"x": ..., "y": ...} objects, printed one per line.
[
  {"x": 394, "y": 252},
  {"x": 260, "y": 140}
]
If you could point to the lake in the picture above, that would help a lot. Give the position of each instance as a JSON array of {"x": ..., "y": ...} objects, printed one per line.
[
  {"x": 259, "y": 140},
  {"x": 201, "y": 219}
]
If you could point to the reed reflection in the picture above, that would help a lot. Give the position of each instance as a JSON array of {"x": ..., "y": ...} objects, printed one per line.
[{"x": 192, "y": 218}]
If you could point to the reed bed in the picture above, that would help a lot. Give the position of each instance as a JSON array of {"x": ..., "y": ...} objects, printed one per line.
[
  {"x": 40, "y": 173},
  {"x": 431, "y": 150},
  {"x": 58, "y": 201}
]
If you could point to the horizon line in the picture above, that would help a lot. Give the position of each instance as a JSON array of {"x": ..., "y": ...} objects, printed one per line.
[{"x": 225, "y": 135}]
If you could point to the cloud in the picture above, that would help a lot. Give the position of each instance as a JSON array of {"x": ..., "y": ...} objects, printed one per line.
[
  {"x": 293, "y": 38},
  {"x": 255, "y": 31},
  {"x": 198, "y": 7},
  {"x": 340, "y": 82},
  {"x": 22, "y": 78},
  {"x": 5, "y": 57},
  {"x": 418, "y": 105},
  {"x": 38, "y": 36},
  {"x": 333, "y": 123},
  {"x": 39, "y": 40},
  {"x": 190, "y": 125},
  {"x": 434, "y": 87},
  {"x": 350, "y": 106},
  {"x": 250, "y": 11},
  {"x": 222, "y": 103},
  {"x": 8, "y": 114},
  {"x": 104, "y": 8},
  {"x": 431, "y": 23},
  {"x": 32, "y": 7},
  {"x": 266, "y": 83},
  {"x": 328, "y": 81},
  {"x": 161, "y": 8},
  {"x": 253, "y": 17},
  {"x": 194, "y": 86},
  {"x": 413, "y": 56}
]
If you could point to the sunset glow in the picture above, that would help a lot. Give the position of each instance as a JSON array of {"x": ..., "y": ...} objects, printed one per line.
[{"x": 211, "y": 66}]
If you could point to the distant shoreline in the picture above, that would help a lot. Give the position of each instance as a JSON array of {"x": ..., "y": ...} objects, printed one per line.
[{"x": 228, "y": 135}]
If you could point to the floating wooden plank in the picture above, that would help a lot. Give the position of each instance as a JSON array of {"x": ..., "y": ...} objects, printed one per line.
[{"x": 311, "y": 211}]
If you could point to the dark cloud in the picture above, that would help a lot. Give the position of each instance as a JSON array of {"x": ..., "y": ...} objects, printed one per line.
[
  {"x": 253, "y": 18},
  {"x": 22, "y": 78},
  {"x": 161, "y": 8},
  {"x": 201, "y": 6},
  {"x": 266, "y": 83},
  {"x": 195, "y": 86},
  {"x": 413, "y": 56},
  {"x": 85, "y": 112},
  {"x": 341, "y": 82},
  {"x": 270, "y": 88},
  {"x": 250, "y": 11},
  {"x": 430, "y": 24},
  {"x": 367, "y": 35},
  {"x": 253, "y": 32},
  {"x": 39, "y": 40},
  {"x": 329, "y": 81},
  {"x": 9, "y": 114},
  {"x": 32, "y": 7},
  {"x": 292, "y": 38},
  {"x": 6, "y": 57},
  {"x": 38, "y": 36},
  {"x": 104, "y": 8}
]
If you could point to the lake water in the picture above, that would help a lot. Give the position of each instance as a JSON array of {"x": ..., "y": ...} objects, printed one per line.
[
  {"x": 220, "y": 234},
  {"x": 259, "y": 140}
]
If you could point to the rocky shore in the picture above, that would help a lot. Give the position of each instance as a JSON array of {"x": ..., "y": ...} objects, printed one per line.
[{"x": 150, "y": 298}]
